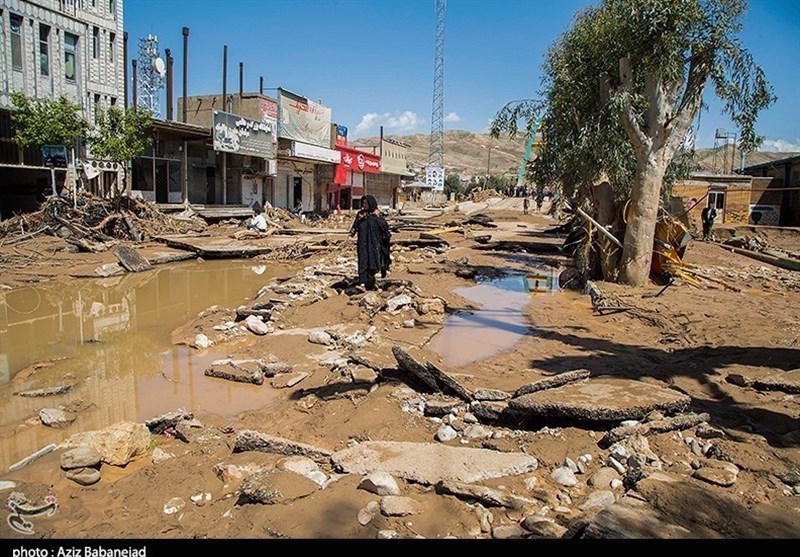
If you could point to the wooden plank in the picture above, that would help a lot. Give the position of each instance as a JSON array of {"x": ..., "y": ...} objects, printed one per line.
[{"x": 131, "y": 260}]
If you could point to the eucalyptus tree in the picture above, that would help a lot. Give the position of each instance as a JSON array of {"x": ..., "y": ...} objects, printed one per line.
[{"x": 621, "y": 88}]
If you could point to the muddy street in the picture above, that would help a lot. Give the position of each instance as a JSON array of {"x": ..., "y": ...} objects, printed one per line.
[{"x": 474, "y": 394}]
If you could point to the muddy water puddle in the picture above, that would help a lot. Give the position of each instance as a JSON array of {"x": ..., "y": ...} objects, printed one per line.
[
  {"x": 498, "y": 323},
  {"x": 111, "y": 339}
]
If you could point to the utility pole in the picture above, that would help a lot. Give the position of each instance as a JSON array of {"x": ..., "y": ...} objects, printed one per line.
[
  {"x": 225, "y": 109},
  {"x": 168, "y": 52},
  {"x": 185, "y": 68}
]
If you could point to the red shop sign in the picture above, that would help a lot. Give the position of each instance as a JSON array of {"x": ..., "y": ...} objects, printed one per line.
[{"x": 360, "y": 161}]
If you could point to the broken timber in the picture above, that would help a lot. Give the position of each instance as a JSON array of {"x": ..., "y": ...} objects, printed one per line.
[
  {"x": 131, "y": 260},
  {"x": 434, "y": 378}
]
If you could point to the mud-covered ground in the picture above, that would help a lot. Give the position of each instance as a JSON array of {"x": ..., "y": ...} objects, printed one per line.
[{"x": 703, "y": 380}]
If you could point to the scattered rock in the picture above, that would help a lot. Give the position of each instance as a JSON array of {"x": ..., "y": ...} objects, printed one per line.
[
  {"x": 569, "y": 463},
  {"x": 371, "y": 300},
  {"x": 365, "y": 517},
  {"x": 603, "y": 477},
  {"x": 409, "y": 324},
  {"x": 387, "y": 535},
  {"x": 320, "y": 337},
  {"x": 84, "y": 476},
  {"x": 616, "y": 465},
  {"x": 361, "y": 374},
  {"x": 705, "y": 431},
  {"x": 239, "y": 374},
  {"x": 55, "y": 417},
  {"x": 233, "y": 473},
  {"x": 790, "y": 477},
  {"x": 485, "y": 518},
  {"x": 543, "y": 527},
  {"x": 485, "y": 495},
  {"x": 200, "y": 499},
  {"x": 394, "y": 304},
  {"x": 49, "y": 391},
  {"x": 160, "y": 455},
  {"x": 276, "y": 487},
  {"x": 117, "y": 444},
  {"x": 174, "y": 505},
  {"x": 395, "y": 505},
  {"x": 489, "y": 411},
  {"x": 598, "y": 499},
  {"x": 470, "y": 418},
  {"x": 507, "y": 532},
  {"x": 477, "y": 431},
  {"x": 202, "y": 341},
  {"x": 276, "y": 368},
  {"x": 616, "y": 483},
  {"x": 696, "y": 448},
  {"x": 716, "y": 476},
  {"x": 564, "y": 476},
  {"x": 80, "y": 457},
  {"x": 159, "y": 424},
  {"x": 380, "y": 483},
  {"x": 531, "y": 482},
  {"x": 185, "y": 432},
  {"x": 7, "y": 484},
  {"x": 446, "y": 433},
  {"x": 256, "y": 326},
  {"x": 430, "y": 305}
]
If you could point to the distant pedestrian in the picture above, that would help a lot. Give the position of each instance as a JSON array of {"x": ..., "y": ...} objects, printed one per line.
[
  {"x": 526, "y": 205},
  {"x": 539, "y": 200},
  {"x": 372, "y": 242},
  {"x": 708, "y": 216}
]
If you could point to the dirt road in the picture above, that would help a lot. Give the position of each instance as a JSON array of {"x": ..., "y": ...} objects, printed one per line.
[{"x": 469, "y": 397}]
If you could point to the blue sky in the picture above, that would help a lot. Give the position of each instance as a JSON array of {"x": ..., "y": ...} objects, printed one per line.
[{"x": 371, "y": 61}]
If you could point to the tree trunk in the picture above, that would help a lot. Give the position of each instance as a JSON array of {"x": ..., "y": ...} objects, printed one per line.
[
  {"x": 606, "y": 215},
  {"x": 641, "y": 221}
]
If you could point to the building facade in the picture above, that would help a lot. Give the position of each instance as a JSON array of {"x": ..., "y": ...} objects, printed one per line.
[
  {"x": 386, "y": 186},
  {"x": 784, "y": 185},
  {"x": 52, "y": 48}
]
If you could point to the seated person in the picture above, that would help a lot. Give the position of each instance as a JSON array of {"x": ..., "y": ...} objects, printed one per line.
[{"x": 258, "y": 222}]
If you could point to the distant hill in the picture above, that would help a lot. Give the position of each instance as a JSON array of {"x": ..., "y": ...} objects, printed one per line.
[{"x": 467, "y": 153}]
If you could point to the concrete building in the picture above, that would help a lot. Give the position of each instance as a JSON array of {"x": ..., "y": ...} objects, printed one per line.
[
  {"x": 386, "y": 185},
  {"x": 784, "y": 183},
  {"x": 51, "y": 48}
]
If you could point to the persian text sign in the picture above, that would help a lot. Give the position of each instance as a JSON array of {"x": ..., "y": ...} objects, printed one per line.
[
  {"x": 360, "y": 161},
  {"x": 243, "y": 136},
  {"x": 303, "y": 120}
]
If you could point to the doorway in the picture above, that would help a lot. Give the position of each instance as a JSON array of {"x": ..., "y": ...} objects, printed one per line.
[
  {"x": 297, "y": 192},
  {"x": 211, "y": 182}
]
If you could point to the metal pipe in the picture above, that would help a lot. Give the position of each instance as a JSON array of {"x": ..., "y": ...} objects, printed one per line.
[
  {"x": 261, "y": 85},
  {"x": 135, "y": 84},
  {"x": 241, "y": 80},
  {"x": 225, "y": 78},
  {"x": 125, "y": 65},
  {"x": 169, "y": 83},
  {"x": 185, "y": 67}
]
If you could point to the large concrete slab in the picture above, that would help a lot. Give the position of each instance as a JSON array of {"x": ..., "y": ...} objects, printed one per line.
[
  {"x": 430, "y": 463},
  {"x": 601, "y": 400},
  {"x": 211, "y": 247}
]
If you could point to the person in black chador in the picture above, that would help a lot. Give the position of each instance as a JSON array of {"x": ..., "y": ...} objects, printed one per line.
[{"x": 372, "y": 242}]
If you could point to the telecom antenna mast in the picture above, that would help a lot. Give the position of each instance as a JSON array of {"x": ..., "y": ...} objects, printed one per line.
[
  {"x": 435, "y": 171},
  {"x": 151, "y": 70}
]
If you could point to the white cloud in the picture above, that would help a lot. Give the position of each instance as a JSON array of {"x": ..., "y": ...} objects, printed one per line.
[
  {"x": 369, "y": 121},
  {"x": 405, "y": 122},
  {"x": 452, "y": 117},
  {"x": 780, "y": 145},
  {"x": 397, "y": 122}
]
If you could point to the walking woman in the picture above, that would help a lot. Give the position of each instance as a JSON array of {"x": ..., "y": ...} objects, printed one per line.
[{"x": 372, "y": 242}]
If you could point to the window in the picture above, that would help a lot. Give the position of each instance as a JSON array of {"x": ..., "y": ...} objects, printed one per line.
[
  {"x": 96, "y": 105},
  {"x": 16, "y": 42},
  {"x": 113, "y": 101},
  {"x": 112, "y": 7},
  {"x": 44, "y": 49},
  {"x": 94, "y": 3},
  {"x": 95, "y": 42},
  {"x": 111, "y": 38},
  {"x": 70, "y": 60},
  {"x": 716, "y": 199}
]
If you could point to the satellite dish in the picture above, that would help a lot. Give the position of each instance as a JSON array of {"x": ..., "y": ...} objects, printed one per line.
[{"x": 159, "y": 66}]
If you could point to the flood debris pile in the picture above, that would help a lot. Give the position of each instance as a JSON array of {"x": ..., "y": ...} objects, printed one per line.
[{"x": 93, "y": 224}]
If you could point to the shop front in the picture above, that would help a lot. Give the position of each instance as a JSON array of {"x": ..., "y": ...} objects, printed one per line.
[{"x": 347, "y": 188}]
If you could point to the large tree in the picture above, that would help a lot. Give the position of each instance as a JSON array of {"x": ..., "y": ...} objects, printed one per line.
[{"x": 621, "y": 89}]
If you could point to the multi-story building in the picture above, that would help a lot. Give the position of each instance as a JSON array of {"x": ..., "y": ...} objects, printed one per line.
[{"x": 51, "y": 48}]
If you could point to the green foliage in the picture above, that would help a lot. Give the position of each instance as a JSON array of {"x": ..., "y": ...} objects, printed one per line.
[
  {"x": 452, "y": 184},
  {"x": 121, "y": 136},
  {"x": 675, "y": 48},
  {"x": 46, "y": 121}
]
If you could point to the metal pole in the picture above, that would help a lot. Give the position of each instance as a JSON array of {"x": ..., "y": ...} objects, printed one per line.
[
  {"x": 169, "y": 83},
  {"x": 135, "y": 84},
  {"x": 241, "y": 80},
  {"x": 185, "y": 66},
  {"x": 225, "y": 78},
  {"x": 125, "y": 65},
  {"x": 261, "y": 85}
]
